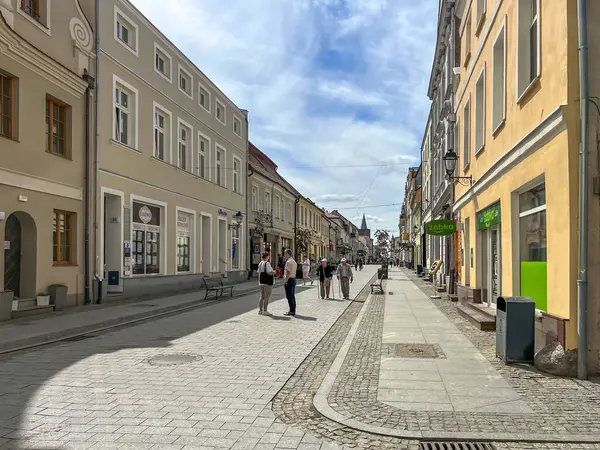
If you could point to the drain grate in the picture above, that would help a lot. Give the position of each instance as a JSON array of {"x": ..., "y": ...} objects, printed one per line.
[
  {"x": 81, "y": 337},
  {"x": 412, "y": 350},
  {"x": 456, "y": 446}
]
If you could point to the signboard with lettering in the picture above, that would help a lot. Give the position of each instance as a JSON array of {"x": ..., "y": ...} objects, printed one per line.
[
  {"x": 440, "y": 227},
  {"x": 183, "y": 223},
  {"x": 488, "y": 217}
]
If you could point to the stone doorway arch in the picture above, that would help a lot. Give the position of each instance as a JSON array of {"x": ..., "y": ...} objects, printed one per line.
[{"x": 20, "y": 259}]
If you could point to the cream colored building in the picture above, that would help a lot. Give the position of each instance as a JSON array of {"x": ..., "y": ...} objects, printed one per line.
[
  {"x": 45, "y": 50},
  {"x": 311, "y": 217},
  {"x": 171, "y": 164},
  {"x": 271, "y": 207}
]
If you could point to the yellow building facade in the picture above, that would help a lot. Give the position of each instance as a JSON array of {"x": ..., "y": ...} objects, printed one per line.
[{"x": 517, "y": 137}]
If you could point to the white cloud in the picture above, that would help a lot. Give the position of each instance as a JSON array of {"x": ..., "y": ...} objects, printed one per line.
[{"x": 263, "y": 54}]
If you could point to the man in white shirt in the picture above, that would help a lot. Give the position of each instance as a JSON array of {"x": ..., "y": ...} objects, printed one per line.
[{"x": 290, "y": 281}]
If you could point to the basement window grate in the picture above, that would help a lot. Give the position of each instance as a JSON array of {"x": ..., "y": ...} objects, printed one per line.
[{"x": 456, "y": 446}]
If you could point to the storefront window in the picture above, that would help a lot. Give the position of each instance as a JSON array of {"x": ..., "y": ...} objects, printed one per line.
[
  {"x": 235, "y": 248},
  {"x": 533, "y": 245},
  {"x": 184, "y": 241},
  {"x": 146, "y": 239}
]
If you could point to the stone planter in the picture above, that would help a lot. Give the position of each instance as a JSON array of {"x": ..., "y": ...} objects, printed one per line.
[
  {"x": 58, "y": 296},
  {"x": 43, "y": 299},
  {"x": 6, "y": 301}
]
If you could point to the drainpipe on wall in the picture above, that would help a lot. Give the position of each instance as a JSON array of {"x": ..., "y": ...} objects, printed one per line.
[
  {"x": 582, "y": 288},
  {"x": 86, "y": 226},
  {"x": 451, "y": 49},
  {"x": 248, "y": 210},
  {"x": 96, "y": 141},
  {"x": 296, "y": 227}
]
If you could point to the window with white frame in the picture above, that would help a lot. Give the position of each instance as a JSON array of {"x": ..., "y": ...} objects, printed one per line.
[
  {"x": 162, "y": 62},
  {"x": 499, "y": 80},
  {"x": 267, "y": 205},
  {"x": 467, "y": 38},
  {"x": 456, "y": 149},
  {"x": 185, "y": 82},
  {"x": 203, "y": 151},
  {"x": 219, "y": 166},
  {"x": 481, "y": 9},
  {"x": 237, "y": 165},
  {"x": 162, "y": 133},
  {"x": 276, "y": 207},
  {"x": 125, "y": 112},
  {"x": 203, "y": 97},
  {"x": 237, "y": 126},
  {"x": 235, "y": 248},
  {"x": 290, "y": 212},
  {"x": 220, "y": 112},
  {"x": 528, "y": 44},
  {"x": 480, "y": 112},
  {"x": 282, "y": 209},
  {"x": 254, "y": 198},
  {"x": 184, "y": 145},
  {"x": 126, "y": 31},
  {"x": 467, "y": 133},
  {"x": 37, "y": 11},
  {"x": 185, "y": 234}
]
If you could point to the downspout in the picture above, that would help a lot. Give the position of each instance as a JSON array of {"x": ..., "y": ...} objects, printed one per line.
[
  {"x": 452, "y": 51},
  {"x": 96, "y": 140},
  {"x": 296, "y": 227},
  {"x": 582, "y": 284},
  {"x": 86, "y": 263},
  {"x": 248, "y": 210}
]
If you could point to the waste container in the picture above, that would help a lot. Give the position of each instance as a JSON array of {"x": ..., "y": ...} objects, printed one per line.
[
  {"x": 515, "y": 329},
  {"x": 419, "y": 269}
]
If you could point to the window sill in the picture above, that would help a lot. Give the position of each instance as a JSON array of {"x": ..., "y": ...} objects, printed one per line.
[
  {"x": 467, "y": 167},
  {"x": 480, "y": 150},
  {"x": 66, "y": 158},
  {"x": 124, "y": 146},
  {"x": 467, "y": 60},
  {"x": 10, "y": 138},
  {"x": 164, "y": 75},
  {"x": 127, "y": 46},
  {"x": 222, "y": 123},
  {"x": 480, "y": 23},
  {"x": 55, "y": 264},
  {"x": 188, "y": 95},
  {"x": 524, "y": 95},
  {"x": 499, "y": 128},
  {"x": 37, "y": 23},
  {"x": 204, "y": 108}
]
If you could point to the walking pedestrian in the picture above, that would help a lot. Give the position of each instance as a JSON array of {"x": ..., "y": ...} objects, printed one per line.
[
  {"x": 265, "y": 281},
  {"x": 280, "y": 265},
  {"x": 324, "y": 273},
  {"x": 306, "y": 271},
  {"x": 290, "y": 281},
  {"x": 344, "y": 274}
]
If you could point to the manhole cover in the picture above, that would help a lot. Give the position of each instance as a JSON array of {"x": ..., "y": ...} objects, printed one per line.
[
  {"x": 413, "y": 350},
  {"x": 173, "y": 359},
  {"x": 456, "y": 446}
]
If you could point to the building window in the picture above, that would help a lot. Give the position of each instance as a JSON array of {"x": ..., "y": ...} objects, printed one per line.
[
  {"x": 122, "y": 114},
  {"x": 237, "y": 126},
  {"x": 56, "y": 127},
  {"x": 162, "y": 133},
  {"x": 467, "y": 134},
  {"x": 467, "y": 39},
  {"x": 480, "y": 112},
  {"x": 162, "y": 62},
  {"x": 184, "y": 247},
  {"x": 220, "y": 112},
  {"x": 203, "y": 97},
  {"x": 499, "y": 80},
  {"x": 235, "y": 248},
  {"x": 32, "y": 8},
  {"x": 254, "y": 198},
  {"x": 184, "y": 147},
  {"x": 282, "y": 209},
  {"x": 236, "y": 175},
  {"x": 533, "y": 244},
  {"x": 528, "y": 44},
  {"x": 220, "y": 161},
  {"x": 185, "y": 82},
  {"x": 267, "y": 202},
  {"x": 290, "y": 212},
  {"x": 203, "y": 149},
  {"x": 62, "y": 237},
  {"x": 5, "y": 105},
  {"x": 126, "y": 31},
  {"x": 481, "y": 9},
  {"x": 276, "y": 207},
  {"x": 146, "y": 239}
]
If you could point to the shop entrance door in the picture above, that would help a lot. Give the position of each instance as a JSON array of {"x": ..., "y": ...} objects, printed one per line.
[{"x": 492, "y": 262}]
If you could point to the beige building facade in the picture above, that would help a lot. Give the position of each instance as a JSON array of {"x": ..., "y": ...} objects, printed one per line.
[
  {"x": 172, "y": 158},
  {"x": 46, "y": 50}
]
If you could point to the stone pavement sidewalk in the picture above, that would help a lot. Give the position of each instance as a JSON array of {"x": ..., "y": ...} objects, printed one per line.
[
  {"x": 370, "y": 392},
  {"x": 35, "y": 330}
]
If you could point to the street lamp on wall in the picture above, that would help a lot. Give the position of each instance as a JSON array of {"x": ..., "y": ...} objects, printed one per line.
[
  {"x": 450, "y": 159},
  {"x": 239, "y": 218}
]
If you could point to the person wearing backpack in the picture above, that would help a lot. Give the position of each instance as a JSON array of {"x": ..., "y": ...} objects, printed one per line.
[{"x": 265, "y": 281}]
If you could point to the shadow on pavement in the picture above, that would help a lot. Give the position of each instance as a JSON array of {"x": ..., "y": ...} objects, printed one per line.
[
  {"x": 310, "y": 319},
  {"x": 30, "y": 409}
]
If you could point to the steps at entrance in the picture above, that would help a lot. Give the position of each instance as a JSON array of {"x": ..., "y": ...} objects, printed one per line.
[
  {"x": 484, "y": 319},
  {"x": 28, "y": 307}
]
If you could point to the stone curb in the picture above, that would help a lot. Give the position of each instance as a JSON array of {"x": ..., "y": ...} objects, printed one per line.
[
  {"x": 51, "y": 338},
  {"x": 321, "y": 404}
]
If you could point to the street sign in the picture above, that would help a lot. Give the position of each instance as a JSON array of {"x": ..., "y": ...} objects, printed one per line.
[{"x": 440, "y": 227}]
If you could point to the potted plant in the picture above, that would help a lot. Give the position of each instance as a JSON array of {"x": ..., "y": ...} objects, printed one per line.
[
  {"x": 58, "y": 295},
  {"x": 6, "y": 301},
  {"x": 43, "y": 299}
]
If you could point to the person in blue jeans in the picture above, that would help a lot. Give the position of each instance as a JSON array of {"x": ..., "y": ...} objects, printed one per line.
[{"x": 290, "y": 281}]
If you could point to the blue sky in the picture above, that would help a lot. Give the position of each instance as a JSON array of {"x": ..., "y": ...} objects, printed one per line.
[{"x": 328, "y": 84}]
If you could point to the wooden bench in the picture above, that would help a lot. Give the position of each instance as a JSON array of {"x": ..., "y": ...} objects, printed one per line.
[
  {"x": 225, "y": 286},
  {"x": 212, "y": 285},
  {"x": 377, "y": 286}
]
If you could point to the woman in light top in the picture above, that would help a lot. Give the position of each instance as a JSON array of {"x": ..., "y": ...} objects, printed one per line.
[
  {"x": 265, "y": 281},
  {"x": 306, "y": 271}
]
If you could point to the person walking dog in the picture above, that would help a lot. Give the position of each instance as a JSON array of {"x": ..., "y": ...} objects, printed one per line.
[
  {"x": 324, "y": 273},
  {"x": 290, "y": 281},
  {"x": 344, "y": 274},
  {"x": 265, "y": 281}
]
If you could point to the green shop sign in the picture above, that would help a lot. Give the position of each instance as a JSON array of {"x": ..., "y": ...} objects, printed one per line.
[
  {"x": 440, "y": 227},
  {"x": 488, "y": 217}
]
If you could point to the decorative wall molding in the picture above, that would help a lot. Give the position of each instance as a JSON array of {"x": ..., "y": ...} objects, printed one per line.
[{"x": 38, "y": 184}]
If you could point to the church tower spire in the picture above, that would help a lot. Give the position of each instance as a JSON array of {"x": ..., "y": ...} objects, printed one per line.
[{"x": 363, "y": 226}]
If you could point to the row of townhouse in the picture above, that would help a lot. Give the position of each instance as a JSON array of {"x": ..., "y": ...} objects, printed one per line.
[
  {"x": 500, "y": 157},
  {"x": 124, "y": 170},
  {"x": 409, "y": 242}
]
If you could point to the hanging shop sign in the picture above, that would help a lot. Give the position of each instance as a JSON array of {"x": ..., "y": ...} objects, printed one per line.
[
  {"x": 440, "y": 227},
  {"x": 488, "y": 217}
]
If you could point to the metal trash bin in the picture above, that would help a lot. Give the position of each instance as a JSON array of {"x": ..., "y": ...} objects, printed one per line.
[
  {"x": 419, "y": 269},
  {"x": 515, "y": 329}
]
